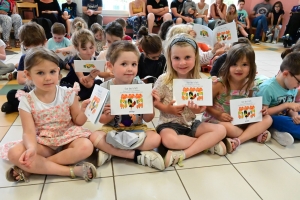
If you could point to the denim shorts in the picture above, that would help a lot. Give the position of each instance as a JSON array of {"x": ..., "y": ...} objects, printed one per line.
[{"x": 179, "y": 129}]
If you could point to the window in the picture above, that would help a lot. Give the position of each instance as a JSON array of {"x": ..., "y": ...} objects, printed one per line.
[{"x": 115, "y": 4}]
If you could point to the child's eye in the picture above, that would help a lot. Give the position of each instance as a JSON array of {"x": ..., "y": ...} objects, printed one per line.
[
  {"x": 187, "y": 57},
  {"x": 134, "y": 64},
  {"x": 175, "y": 58},
  {"x": 40, "y": 73},
  {"x": 124, "y": 64},
  {"x": 52, "y": 71}
]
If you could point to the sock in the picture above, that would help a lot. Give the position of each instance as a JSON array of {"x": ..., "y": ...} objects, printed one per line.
[{"x": 136, "y": 154}]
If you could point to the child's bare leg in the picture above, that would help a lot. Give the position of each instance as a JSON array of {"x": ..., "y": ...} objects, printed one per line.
[
  {"x": 73, "y": 152},
  {"x": 243, "y": 32},
  {"x": 68, "y": 23},
  {"x": 172, "y": 140},
  {"x": 151, "y": 142},
  {"x": 207, "y": 135},
  {"x": 40, "y": 164},
  {"x": 232, "y": 130},
  {"x": 255, "y": 129},
  {"x": 104, "y": 146}
]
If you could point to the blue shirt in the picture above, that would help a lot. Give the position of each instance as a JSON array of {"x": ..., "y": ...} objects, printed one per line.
[
  {"x": 92, "y": 5},
  {"x": 274, "y": 94},
  {"x": 52, "y": 45}
]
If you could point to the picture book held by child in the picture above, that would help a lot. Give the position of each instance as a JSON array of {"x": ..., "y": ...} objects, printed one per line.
[
  {"x": 89, "y": 65},
  {"x": 226, "y": 33}
]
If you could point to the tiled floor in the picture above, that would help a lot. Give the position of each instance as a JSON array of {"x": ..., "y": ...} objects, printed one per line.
[{"x": 254, "y": 171}]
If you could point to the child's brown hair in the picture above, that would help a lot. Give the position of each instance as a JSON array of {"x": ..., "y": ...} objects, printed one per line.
[
  {"x": 82, "y": 37},
  {"x": 95, "y": 28},
  {"x": 118, "y": 47},
  {"x": 37, "y": 55},
  {"x": 75, "y": 21},
  {"x": 122, "y": 22},
  {"x": 36, "y": 37},
  {"x": 150, "y": 43},
  {"x": 291, "y": 63},
  {"x": 58, "y": 28}
]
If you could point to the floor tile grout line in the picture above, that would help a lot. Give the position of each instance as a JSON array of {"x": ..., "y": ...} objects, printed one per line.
[
  {"x": 113, "y": 175},
  {"x": 23, "y": 185},
  {"x": 182, "y": 184},
  {"x": 43, "y": 187},
  {"x": 253, "y": 161},
  {"x": 291, "y": 165}
]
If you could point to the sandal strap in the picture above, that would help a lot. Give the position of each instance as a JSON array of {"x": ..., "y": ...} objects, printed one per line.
[{"x": 72, "y": 172}]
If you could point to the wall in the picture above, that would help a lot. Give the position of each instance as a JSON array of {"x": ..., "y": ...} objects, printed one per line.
[{"x": 287, "y": 6}]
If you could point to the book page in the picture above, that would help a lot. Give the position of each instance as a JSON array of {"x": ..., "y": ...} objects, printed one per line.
[
  {"x": 203, "y": 34},
  {"x": 226, "y": 33},
  {"x": 89, "y": 65},
  {"x": 197, "y": 90},
  {"x": 246, "y": 110},
  {"x": 131, "y": 99}
]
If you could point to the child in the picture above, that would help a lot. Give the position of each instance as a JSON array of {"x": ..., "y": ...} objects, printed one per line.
[
  {"x": 189, "y": 10},
  {"x": 51, "y": 119},
  {"x": 233, "y": 16},
  {"x": 98, "y": 34},
  {"x": 84, "y": 42},
  {"x": 35, "y": 39},
  {"x": 279, "y": 94},
  {"x": 243, "y": 15},
  {"x": 236, "y": 81},
  {"x": 177, "y": 125},
  {"x": 5, "y": 69},
  {"x": 123, "y": 24},
  {"x": 113, "y": 32},
  {"x": 164, "y": 28},
  {"x": 152, "y": 62},
  {"x": 122, "y": 60},
  {"x": 276, "y": 21},
  {"x": 69, "y": 13}
]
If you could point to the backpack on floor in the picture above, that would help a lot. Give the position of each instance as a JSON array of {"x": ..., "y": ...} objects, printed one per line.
[{"x": 46, "y": 24}]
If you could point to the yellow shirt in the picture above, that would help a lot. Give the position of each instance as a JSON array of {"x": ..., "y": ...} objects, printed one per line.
[{"x": 136, "y": 9}]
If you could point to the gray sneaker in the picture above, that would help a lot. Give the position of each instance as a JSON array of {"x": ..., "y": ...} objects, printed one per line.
[
  {"x": 256, "y": 41},
  {"x": 103, "y": 157},
  {"x": 174, "y": 157},
  {"x": 151, "y": 159},
  {"x": 219, "y": 149},
  {"x": 283, "y": 138}
]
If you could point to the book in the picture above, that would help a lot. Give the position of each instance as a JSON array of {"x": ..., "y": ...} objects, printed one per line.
[
  {"x": 226, "y": 33},
  {"x": 63, "y": 55},
  {"x": 246, "y": 110},
  {"x": 131, "y": 99},
  {"x": 98, "y": 100},
  {"x": 197, "y": 90},
  {"x": 89, "y": 65}
]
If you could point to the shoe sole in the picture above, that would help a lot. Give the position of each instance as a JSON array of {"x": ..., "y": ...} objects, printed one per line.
[
  {"x": 284, "y": 140},
  {"x": 101, "y": 158},
  {"x": 162, "y": 167},
  {"x": 167, "y": 160},
  {"x": 223, "y": 148}
]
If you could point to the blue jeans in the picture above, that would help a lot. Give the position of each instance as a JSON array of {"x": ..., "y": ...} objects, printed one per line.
[
  {"x": 286, "y": 124},
  {"x": 260, "y": 23},
  {"x": 200, "y": 21}
]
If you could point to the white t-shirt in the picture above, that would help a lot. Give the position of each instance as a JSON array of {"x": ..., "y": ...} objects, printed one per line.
[
  {"x": 2, "y": 44},
  {"x": 61, "y": 92},
  {"x": 201, "y": 11}
]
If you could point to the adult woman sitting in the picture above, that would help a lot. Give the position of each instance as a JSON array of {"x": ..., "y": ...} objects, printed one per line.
[
  {"x": 9, "y": 18},
  {"x": 217, "y": 13},
  {"x": 50, "y": 9},
  {"x": 202, "y": 10},
  {"x": 137, "y": 16}
]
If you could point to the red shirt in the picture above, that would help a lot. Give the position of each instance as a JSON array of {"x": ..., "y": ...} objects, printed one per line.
[{"x": 127, "y": 37}]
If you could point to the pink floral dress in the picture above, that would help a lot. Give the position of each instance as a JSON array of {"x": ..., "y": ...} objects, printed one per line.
[{"x": 54, "y": 126}]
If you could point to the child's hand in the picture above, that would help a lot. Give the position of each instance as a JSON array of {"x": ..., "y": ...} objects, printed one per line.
[
  {"x": 192, "y": 33},
  {"x": 294, "y": 106},
  {"x": 224, "y": 117},
  {"x": 175, "y": 110},
  {"x": 156, "y": 97},
  {"x": 28, "y": 157},
  {"x": 106, "y": 110},
  {"x": 217, "y": 46},
  {"x": 84, "y": 104},
  {"x": 58, "y": 51},
  {"x": 296, "y": 119},
  {"x": 94, "y": 73},
  {"x": 85, "y": 80},
  {"x": 264, "y": 111},
  {"x": 195, "y": 108}
]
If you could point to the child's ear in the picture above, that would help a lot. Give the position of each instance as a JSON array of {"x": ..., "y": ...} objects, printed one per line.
[
  {"x": 109, "y": 66},
  {"x": 285, "y": 73},
  {"x": 27, "y": 74}
]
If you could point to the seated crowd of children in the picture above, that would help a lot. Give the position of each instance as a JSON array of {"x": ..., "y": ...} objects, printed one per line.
[{"x": 54, "y": 141}]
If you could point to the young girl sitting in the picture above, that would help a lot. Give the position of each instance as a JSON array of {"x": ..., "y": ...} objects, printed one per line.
[
  {"x": 236, "y": 81},
  {"x": 231, "y": 16},
  {"x": 177, "y": 124},
  {"x": 276, "y": 21},
  {"x": 122, "y": 60},
  {"x": 51, "y": 119},
  {"x": 152, "y": 62},
  {"x": 98, "y": 34},
  {"x": 164, "y": 28},
  {"x": 84, "y": 43}
]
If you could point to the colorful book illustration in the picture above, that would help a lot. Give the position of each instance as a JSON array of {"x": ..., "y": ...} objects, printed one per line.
[
  {"x": 226, "y": 33},
  {"x": 63, "y": 55},
  {"x": 197, "y": 90},
  {"x": 131, "y": 99},
  {"x": 246, "y": 110},
  {"x": 98, "y": 99},
  {"x": 88, "y": 65}
]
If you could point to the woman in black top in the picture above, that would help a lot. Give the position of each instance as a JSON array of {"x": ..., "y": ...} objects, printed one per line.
[{"x": 50, "y": 9}]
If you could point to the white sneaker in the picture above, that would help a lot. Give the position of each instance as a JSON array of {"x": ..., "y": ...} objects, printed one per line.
[
  {"x": 103, "y": 157},
  {"x": 274, "y": 42},
  {"x": 174, "y": 157},
  {"x": 283, "y": 138},
  {"x": 151, "y": 159},
  {"x": 219, "y": 149},
  {"x": 268, "y": 41}
]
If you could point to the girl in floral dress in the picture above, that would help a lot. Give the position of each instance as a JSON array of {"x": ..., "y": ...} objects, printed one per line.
[{"x": 51, "y": 119}]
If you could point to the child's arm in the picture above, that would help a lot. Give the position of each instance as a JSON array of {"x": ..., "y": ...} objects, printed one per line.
[
  {"x": 247, "y": 22},
  {"x": 218, "y": 88},
  {"x": 279, "y": 20},
  {"x": 65, "y": 49},
  {"x": 21, "y": 78},
  {"x": 2, "y": 53},
  {"x": 149, "y": 117},
  {"x": 77, "y": 112},
  {"x": 169, "y": 108},
  {"x": 272, "y": 19},
  {"x": 295, "y": 107},
  {"x": 106, "y": 116}
]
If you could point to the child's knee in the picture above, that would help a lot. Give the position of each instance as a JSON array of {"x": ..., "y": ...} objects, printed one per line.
[
  {"x": 154, "y": 140},
  {"x": 86, "y": 147},
  {"x": 220, "y": 130},
  {"x": 15, "y": 152},
  {"x": 169, "y": 141},
  {"x": 268, "y": 119},
  {"x": 96, "y": 137}
]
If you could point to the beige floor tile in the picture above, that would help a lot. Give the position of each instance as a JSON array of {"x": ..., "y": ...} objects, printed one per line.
[
  {"x": 8, "y": 119},
  {"x": 17, "y": 122},
  {"x": 162, "y": 185},
  {"x": 295, "y": 162},
  {"x": 272, "y": 179},
  {"x": 29, "y": 192},
  {"x": 218, "y": 182},
  {"x": 251, "y": 151},
  {"x": 102, "y": 188},
  {"x": 92, "y": 127},
  {"x": 3, "y": 131},
  {"x": 285, "y": 152},
  {"x": 13, "y": 134}
]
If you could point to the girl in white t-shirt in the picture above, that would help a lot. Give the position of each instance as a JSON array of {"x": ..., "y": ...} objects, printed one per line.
[
  {"x": 202, "y": 10},
  {"x": 52, "y": 119},
  {"x": 5, "y": 69}
]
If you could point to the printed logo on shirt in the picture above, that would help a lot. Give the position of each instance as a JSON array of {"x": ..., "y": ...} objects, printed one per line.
[
  {"x": 92, "y": 6},
  {"x": 284, "y": 99},
  {"x": 241, "y": 17},
  {"x": 262, "y": 11}
]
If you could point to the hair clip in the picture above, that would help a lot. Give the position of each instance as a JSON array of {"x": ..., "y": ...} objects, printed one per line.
[{"x": 184, "y": 39}]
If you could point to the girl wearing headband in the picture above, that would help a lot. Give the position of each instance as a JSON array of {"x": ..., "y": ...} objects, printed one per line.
[{"x": 177, "y": 125}]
